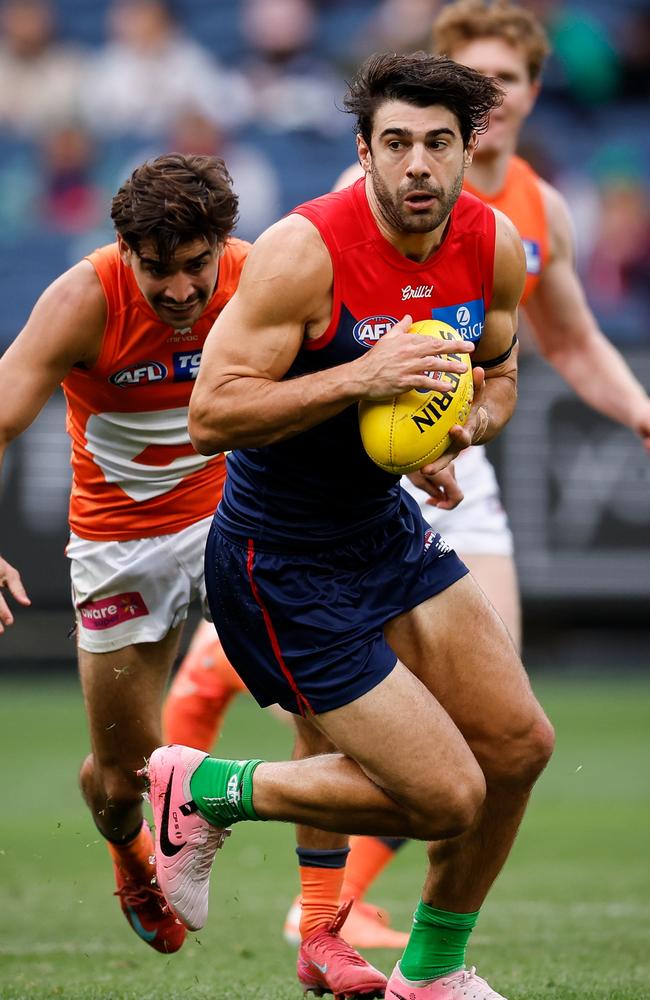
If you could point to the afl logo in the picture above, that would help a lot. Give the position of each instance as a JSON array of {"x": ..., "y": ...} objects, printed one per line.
[
  {"x": 140, "y": 374},
  {"x": 371, "y": 329},
  {"x": 462, "y": 316}
]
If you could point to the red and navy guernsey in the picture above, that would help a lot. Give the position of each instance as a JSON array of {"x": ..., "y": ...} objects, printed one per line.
[{"x": 320, "y": 487}]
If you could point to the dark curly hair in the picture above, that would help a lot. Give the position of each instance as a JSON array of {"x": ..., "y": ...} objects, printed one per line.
[
  {"x": 175, "y": 199},
  {"x": 423, "y": 80}
]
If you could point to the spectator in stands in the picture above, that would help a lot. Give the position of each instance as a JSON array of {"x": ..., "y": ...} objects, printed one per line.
[
  {"x": 618, "y": 267},
  {"x": 635, "y": 54},
  {"x": 40, "y": 78},
  {"x": 71, "y": 200},
  {"x": 294, "y": 87},
  {"x": 254, "y": 178},
  {"x": 150, "y": 71},
  {"x": 398, "y": 25}
]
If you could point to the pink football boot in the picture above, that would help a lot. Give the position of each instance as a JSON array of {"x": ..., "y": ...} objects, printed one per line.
[
  {"x": 327, "y": 964},
  {"x": 462, "y": 985},
  {"x": 185, "y": 842}
]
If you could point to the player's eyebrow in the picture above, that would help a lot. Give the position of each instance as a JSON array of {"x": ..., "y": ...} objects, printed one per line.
[
  {"x": 407, "y": 134},
  {"x": 152, "y": 262}
]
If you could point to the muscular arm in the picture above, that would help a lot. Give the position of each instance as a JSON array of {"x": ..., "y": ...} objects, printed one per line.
[
  {"x": 499, "y": 393},
  {"x": 284, "y": 296},
  {"x": 568, "y": 335},
  {"x": 65, "y": 328}
]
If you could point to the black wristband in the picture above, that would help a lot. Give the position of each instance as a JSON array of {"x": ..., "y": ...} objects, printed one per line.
[{"x": 495, "y": 362}]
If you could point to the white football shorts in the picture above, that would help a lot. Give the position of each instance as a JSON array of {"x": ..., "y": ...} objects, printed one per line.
[
  {"x": 135, "y": 591},
  {"x": 479, "y": 525}
]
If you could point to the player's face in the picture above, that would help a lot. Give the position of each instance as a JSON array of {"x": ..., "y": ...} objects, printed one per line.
[
  {"x": 416, "y": 162},
  {"x": 495, "y": 57},
  {"x": 179, "y": 291}
]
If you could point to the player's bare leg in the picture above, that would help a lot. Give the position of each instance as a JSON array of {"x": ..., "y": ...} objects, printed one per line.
[
  {"x": 123, "y": 695},
  {"x": 496, "y": 575},
  {"x": 419, "y": 780},
  {"x": 475, "y": 673},
  {"x": 325, "y": 960},
  {"x": 202, "y": 690},
  {"x": 323, "y": 859}
]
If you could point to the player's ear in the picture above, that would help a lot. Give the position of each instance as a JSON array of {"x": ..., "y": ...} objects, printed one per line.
[
  {"x": 363, "y": 152},
  {"x": 470, "y": 149},
  {"x": 125, "y": 251}
]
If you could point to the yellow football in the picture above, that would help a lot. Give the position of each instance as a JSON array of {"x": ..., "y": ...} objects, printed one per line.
[{"x": 403, "y": 434}]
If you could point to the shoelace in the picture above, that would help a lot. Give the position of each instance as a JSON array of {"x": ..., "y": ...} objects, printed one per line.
[
  {"x": 464, "y": 977},
  {"x": 137, "y": 895},
  {"x": 329, "y": 942}
]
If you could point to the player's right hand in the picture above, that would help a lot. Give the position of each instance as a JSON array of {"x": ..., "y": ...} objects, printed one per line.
[
  {"x": 443, "y": 489},
  {"x": 400, "y": 361},
  {"x": 10, "y": 578}
]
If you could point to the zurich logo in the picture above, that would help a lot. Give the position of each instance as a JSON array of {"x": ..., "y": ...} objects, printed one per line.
[
  {"x": 467, "y": 318},
  {"x": 371, "y": 329}
]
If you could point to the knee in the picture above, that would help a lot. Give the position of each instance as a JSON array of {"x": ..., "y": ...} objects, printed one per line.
[
  {"x": 453, "y": 809},
  {"x": 521, "y": 756},
  {"x": 110, "y": 782}
]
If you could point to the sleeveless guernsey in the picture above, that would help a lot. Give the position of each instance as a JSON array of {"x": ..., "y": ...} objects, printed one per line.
[
  {"x": 135, "y": 472},
  {"x": 521, "y": 200},
  {"x": 320, "y": 486}
]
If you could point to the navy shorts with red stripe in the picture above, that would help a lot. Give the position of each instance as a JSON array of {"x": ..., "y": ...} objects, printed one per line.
[{"x": 304, "y": 629}]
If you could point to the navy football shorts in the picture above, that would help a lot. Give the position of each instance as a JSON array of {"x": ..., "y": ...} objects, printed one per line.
[{"x": 304, "y": 629}]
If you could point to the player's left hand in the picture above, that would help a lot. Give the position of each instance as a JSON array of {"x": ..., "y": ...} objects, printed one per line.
[
  {"x": 10, "y": 578},
  {"x": 444, "y": 492},
  {"x": 462, "y": 437}
]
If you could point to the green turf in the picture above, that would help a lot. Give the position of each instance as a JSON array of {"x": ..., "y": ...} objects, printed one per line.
[{"x": 568, "y": 920}]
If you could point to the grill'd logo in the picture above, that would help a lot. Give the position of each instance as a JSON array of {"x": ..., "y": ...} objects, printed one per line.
[{"x": 417, "y": 292}]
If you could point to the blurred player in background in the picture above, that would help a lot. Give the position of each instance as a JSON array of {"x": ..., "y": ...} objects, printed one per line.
[
  {"x": 508, "y": 42},
  {"x": 330, "y": 593},
  {"x": 122, "y": 331}
]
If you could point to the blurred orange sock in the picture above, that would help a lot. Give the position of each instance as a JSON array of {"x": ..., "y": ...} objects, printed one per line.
[
  {"x": 133, "y": 857},
  {"x": 202, "y": 689},
  {"x": 321, "y": 878},
  {"x": 368, "y": 858}
]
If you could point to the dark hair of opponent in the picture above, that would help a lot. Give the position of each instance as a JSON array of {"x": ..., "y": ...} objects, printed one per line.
[
  {"x": 423, "y": 80},
  {"x": 175, "y": 199}
]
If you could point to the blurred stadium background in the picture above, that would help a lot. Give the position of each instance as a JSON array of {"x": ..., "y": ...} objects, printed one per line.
[{"x": 89, "y": 89}]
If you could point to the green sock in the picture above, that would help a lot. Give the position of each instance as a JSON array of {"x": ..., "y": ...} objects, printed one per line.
[
  {"x": 223, "y": 790},
  {"x": 437, "y": 943}
]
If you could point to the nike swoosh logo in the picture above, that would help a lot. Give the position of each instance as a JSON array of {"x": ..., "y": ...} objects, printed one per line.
[
  {"x": 396, "y": 994},
  {"x": 321, "y": 968},
  {"x": 137, "y": 926},
  {"x": 166, "y": 846}
]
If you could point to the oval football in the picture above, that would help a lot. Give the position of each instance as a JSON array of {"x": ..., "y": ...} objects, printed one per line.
[{"x": 402, "y": 434}]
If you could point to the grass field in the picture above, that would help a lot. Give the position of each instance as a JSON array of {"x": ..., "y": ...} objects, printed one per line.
[{"x": 568, "y": 920}]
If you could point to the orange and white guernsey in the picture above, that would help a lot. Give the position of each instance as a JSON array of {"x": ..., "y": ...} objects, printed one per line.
[
  {"x": 521, "y": 200},
  {"x": 135, "y": 472}
]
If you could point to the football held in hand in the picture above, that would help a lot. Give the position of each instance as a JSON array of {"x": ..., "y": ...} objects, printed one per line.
[{"x": 402, "y": 434}]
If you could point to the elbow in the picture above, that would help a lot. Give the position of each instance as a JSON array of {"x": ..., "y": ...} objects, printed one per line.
[
  {"x": 206, "y": 443},
  {"x": 204, "y": 436}
]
